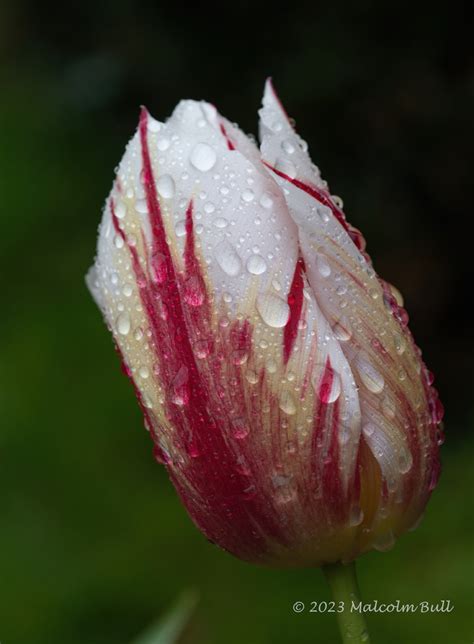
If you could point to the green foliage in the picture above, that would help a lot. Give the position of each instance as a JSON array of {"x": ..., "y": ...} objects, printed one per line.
[{"x": 170, "y": 628}]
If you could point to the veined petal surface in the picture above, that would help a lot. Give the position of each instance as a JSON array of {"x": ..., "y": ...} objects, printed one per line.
[
  {"x": 400, "y": 409},
  {"x": 275, "y": 371},
  {"x": 244, "y": 387}
]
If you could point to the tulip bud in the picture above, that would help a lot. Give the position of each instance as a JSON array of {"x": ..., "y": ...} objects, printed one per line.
[{"x": 278, "y": 379}]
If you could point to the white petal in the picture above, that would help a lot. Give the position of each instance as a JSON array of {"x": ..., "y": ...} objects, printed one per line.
[
  {"x": 281, "y": 146},
  {"x": 382, "y": 355},
  {"x": 231, "y": 225}
]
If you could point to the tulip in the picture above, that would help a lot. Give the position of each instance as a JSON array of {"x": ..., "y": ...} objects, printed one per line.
[{"x": 275, "y": 370}]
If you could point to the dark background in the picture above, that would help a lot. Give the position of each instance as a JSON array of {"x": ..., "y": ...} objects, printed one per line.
[{"x": 94, "y": 545}]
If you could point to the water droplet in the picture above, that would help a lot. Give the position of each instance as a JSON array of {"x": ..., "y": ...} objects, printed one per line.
[
  {"x": 123, "y": 323},
  {"x": 163, "y": 144},
  {"x": 144, "y": 372},
  {"x": 324, "y": 213},
  {"x": 252, "y": 377},
  {"x": 239, "y": 357},
  {"x": 141, "y": 206},
  {"x": 271, "y": 365},
  {"x": 401, "y": 315},
  {"x": 202, "y": 349},
  {"x": 180, "y": 388},
  {"x": 273, "y": 310},
  {"x": 147, "y": 401},
  {"x": 118, "y": 241},
  {"x": 287, "y": 403},
  {"x": 356, "y": 515},
  {"x": 194, "y": 293},
  {"x": 165, "y": 186},
  {"x": 405, "y": 460},
  {"x": 342, "y": 330},
  {"x": 285, "y": 488},
  {"x": 304, "y": 146},
  {"x": 248, "y": 196},
  {"x": 384, "y": 542},
  {"x": 163, "y": 311},
  {"x": 159, "y": 268},
  {"x": 400, "y": 343},
  {"x": 374, "y": 293},
  {"x": 220, "y": 222},
  {"x": 416, "y": 523},
  {"x": 396, "y": 294},
  {"x": 369, "y": 429},
  {"x": 276, "y": 285},
  {"x": 209, "y": 208},
  {"x": 256, "y": 265},
  {"x": 240, "y": 428},
  {"x": 287, "y": 147},
  {"x": 266, "y": 201},
  {"x": 120, "y": 210},
  {"x": 203, "y": 157},
  {"x": 180, "y": 228},
  {"x": 370, "y": 377},
  {"x": 388, "y": 408},
  {"x": 228, "y": 259},
  {"x": 323, "y": 266},
  {"x": 327, "y": 386}
]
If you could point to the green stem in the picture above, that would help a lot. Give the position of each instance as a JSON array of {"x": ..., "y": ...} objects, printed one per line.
[{"x": 345, "y": 591}]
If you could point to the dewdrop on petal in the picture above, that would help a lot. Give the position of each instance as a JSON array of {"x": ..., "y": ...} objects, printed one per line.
[{"x": 276, "y": 373}]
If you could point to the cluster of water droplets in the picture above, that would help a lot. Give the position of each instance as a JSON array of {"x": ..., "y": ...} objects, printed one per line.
[
  {"x": 237, "y": 223},
  {"x": 235, "y": 256},
  {"x": 394, "y": 342}
]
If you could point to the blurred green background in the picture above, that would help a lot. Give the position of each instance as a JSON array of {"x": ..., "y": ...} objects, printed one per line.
[{"x": 94, "y": 545}]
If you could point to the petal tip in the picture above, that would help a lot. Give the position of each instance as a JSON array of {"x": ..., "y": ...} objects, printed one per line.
[{"x": 271, "y": 98}]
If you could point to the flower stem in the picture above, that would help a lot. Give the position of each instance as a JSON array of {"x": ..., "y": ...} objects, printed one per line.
[{"x": 345, "y": 591}]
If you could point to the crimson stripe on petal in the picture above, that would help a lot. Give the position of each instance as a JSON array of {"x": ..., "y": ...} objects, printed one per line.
[
  {"x": 209, "y": 480},
  {"x": 295, "y": 302},
  {"x": 230, "y": 145},
  {"x": 326, "y": 474},
  {"x": 323, "y": 197}
]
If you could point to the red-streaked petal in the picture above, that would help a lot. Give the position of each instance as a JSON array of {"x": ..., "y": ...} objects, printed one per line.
[
  {"x": 395, "y": 397},
  {"x": 249, "y": 398},
  {"x": 275, "y": 372}
]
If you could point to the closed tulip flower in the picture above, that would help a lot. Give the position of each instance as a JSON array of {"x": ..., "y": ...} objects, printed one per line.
[{"x": 275, "y": 370}]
